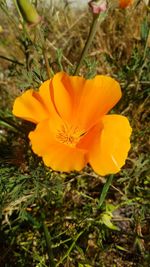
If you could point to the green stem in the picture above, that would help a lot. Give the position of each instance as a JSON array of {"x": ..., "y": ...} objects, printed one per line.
[
  {"x": 18, "y": 10},
  {"x": 49, "y": 246},
  {"x": 44, "y": 50},
  {"x": 97, "y": 19},
  {"x": 105, "y": 190},
  {"x": 48, "y": 69},
  {"x": 12, "y": 60}
]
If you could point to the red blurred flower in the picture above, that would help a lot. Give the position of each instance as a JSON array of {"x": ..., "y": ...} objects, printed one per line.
[{"x": 125, "y": 3}]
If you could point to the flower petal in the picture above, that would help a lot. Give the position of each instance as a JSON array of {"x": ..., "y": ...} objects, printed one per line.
[
  {"x": 74, "y": 85},
  {"x": 67, "y": 93},
  {"x": 35, "y": 106},
  {"x": 81, "y": 101},
  {"x": 58, "y": 156},
  {"x": 99, "y": 96},
  {"x": 61, "y": 97},
  {"x": 111, "y": 144},
  {"x": 64, "y": 158},
  {"x": 45, "y": 95},
  {"x": 29, "y": 107}
]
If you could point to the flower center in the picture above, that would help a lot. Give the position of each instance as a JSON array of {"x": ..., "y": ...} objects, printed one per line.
[{"x": 69, "y": 135}]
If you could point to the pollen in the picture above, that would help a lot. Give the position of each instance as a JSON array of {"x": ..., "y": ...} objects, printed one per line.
[{"x": 69, "y": 135}]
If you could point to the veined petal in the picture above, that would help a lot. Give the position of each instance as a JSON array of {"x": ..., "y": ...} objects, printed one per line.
[
  {"x": 110, "y": 147},
  {"x": 61, "y": 97},
  {"x": 58, "y": 156},
  {"x": 82, "y": 101},
  {"x": 45, "y": 96},
  {"x": 30, "y": 106},
  {"x": 35, "y": 106},
  {"x": 65, "y": 158},
  {"x": 74, "y": 86},
  {"x": 99, "y": 96}
]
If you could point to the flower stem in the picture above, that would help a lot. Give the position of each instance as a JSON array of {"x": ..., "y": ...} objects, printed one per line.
[
  {"x": 44, "y": 50},
  {"x": 97, "y": 20},
  {"x": 48, "y": 69},
  {"x": 49, "y": 245}
]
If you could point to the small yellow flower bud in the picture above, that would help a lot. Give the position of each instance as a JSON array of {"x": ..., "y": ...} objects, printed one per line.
[{"x": 28, "y": 11}]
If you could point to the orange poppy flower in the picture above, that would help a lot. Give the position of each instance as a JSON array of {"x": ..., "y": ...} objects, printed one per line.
[
  {"x": 72, "y": 126},
  {"x": 125, "y": 3}
]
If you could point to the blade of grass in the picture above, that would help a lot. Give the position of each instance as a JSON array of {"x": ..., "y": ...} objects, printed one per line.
[
  {"x": 105, "y": 190},
  {"x": 71, "y": 247},
  {"x": 49, "y": 245}
]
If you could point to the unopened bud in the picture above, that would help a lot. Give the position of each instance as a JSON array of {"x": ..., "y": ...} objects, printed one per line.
[
  {"x": 98, "y": 6},
  {"x": 125, "y": 3},
  {"x": 119, "y": 3},
  {"x": 28, "y": 11}
]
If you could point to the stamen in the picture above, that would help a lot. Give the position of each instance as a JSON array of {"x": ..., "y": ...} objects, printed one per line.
[{"x": 69, "y": 135}]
